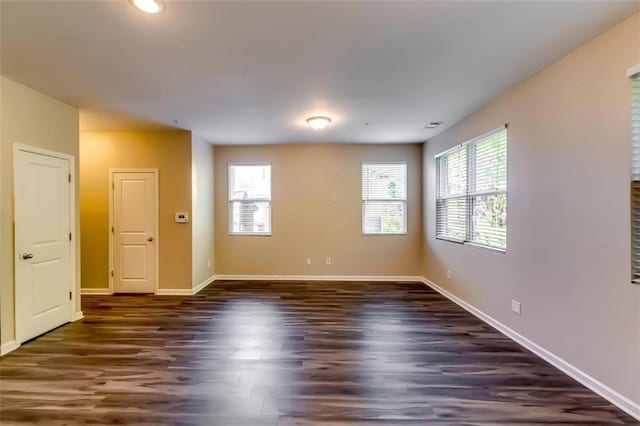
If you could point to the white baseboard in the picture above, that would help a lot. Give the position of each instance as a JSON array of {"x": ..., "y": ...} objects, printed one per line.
[
  {"x": 159, "y": 292},
  {"x": 399, "y": 278},
  {"x": 95, "y": 291},
  {"x": 12, "y": 345},
  {"x": 9, "y": 346},
  {"x": 630, "y": 407},
  {"x": 174, "y": 292},
  {"x": 203, "y": 284}
]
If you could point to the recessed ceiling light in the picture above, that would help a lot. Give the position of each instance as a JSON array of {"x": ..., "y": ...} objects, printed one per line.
[
  {"x": 433, "y": 124},
  {"x": 318, "y": 122},
  {"x": 149, "y": 6}
]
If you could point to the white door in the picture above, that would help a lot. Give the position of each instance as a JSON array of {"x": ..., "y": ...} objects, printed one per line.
[
  {"x": 42, "y": 243},
  {"x": 134, "y": 232}
]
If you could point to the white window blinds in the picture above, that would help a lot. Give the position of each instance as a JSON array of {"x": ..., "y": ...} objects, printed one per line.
[
  {"x": 471, "y": 192},
  {"x": 635, "y": 178},
  {"x": 250, "y": 199},
  {"x": 384, "y": 198}
]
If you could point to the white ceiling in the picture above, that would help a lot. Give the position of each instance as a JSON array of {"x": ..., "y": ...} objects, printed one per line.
[{"x": 252, "y": 72}]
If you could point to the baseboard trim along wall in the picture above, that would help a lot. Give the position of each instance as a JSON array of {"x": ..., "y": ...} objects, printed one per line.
[
  {"x": 203, "y": 284},
  {"x": 185, "y": 291},
  {"x": 399, "y": 278},
  {"x": 95, "y": 291},
  {"x": 174, "y": 292},
  {"x": 159, "y": 292},
  {"x": 12, "y": 345},
  {"x": 9, "y": 346},
  {"x": 630, "y": 407}
]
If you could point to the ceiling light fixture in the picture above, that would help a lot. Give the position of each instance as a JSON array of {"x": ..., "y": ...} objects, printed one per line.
[
  {"x": 318, "y": 122},
  {"x": 433, "y": 124},
  {"x": 149, "y": 6}
]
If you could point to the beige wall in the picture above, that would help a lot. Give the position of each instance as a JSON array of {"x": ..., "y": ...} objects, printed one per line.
[
  {"x": 305, "y": 221},
  {"x": 202, "y": 221},
  {"x": 32, "y": 118},
  {"x": 170, "y": 153},
  {"x": 568, "y": 258}
]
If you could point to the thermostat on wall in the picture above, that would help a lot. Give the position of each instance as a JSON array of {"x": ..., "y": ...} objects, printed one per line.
[{"x": 182, "y": 217}]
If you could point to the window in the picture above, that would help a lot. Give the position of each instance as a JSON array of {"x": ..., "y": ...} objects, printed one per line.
[
  {"x": 635, "y": 178},
  {"x": 384, "y": 198},
  {"x": 250, "y": 199},
  {"x": 471, "y": 192}
]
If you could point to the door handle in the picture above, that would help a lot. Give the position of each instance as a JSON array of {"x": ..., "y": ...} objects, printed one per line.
[
  {"x": 150, "y": 239},
  {"x": 27, "y": 256}
]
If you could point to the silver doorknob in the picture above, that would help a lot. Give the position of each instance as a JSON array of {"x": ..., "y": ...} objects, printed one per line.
[
  {"x": 150, "y": 239},
  {"x": 27, "y": 256}
]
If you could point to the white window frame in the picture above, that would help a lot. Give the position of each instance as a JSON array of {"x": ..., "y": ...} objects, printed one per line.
[
  {"x": 472, "y": 196},
  {"x": 403, "y": 200},
  {"x": 231, "y": 200},
  {"x": 633, "y": 74}
]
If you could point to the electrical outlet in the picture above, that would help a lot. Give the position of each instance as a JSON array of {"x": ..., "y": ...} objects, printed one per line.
[
  {"x": 209, "y": 263},
  {"x": 327, "y": 261},
  {"x": 308, "y": 261},
  {"x": 448, "y": 274},
  {"x": 516, "y": 307}
]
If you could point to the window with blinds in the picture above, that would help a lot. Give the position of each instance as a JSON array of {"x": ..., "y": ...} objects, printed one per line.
[
  {"x": 635, "y": 178},
  {"x": 471, "y": 192},
  {"x": 384, "y": 198},
  {"x": 250, "y": 199}
]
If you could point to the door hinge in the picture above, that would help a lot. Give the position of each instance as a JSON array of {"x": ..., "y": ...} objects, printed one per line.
[
  {"x": 69, "y": 177},
  {"x": 112, "y": 229},
  {"x": 69, "y": 236},
  {"x": 111, "y": 273},
  {"x": 70, "y": 295},
  {"x": 113, "y": 185}
]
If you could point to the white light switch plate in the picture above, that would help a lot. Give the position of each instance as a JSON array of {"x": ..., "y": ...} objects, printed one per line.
[
  {"x": 182, "y": 217},
  {"x": 516, "y": 307}
]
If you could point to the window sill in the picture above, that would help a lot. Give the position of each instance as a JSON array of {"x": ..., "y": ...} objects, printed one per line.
[
  {"x": 451, "y": 240},
  {"x": 496, "y": 249},
  {"x": 471, "y": 244},
  {"x": 366, "y": 234},
  {"x": 250, "y": 234}
]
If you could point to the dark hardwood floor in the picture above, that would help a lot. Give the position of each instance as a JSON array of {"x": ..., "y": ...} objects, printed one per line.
[{"x": 273, "y": 353}]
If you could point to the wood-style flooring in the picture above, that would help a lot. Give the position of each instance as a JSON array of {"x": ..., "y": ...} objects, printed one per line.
[{"x": 283, "y": 353}]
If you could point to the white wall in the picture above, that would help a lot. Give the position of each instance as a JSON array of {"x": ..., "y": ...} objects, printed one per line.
[
  {"x": 317, "y": 213},
  {"x": 31, "y": 118},
  {"x": 568, "y": 256},
  {"x": 202, "y": 210}
]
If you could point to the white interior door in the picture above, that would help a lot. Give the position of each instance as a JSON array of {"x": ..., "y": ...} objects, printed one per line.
[
  {"x": 134, "y": 232},
  {"x": 42, "y": 243}
]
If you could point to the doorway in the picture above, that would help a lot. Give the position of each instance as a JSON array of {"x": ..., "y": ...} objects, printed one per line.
[{"x": 133, "y": 214}]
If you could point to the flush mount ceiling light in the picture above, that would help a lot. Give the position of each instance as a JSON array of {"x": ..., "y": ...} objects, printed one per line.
[
  {"x": 433, "y": 124},
  {"x": 318, "y": 122},
  {"x": 148, "y": 6}
]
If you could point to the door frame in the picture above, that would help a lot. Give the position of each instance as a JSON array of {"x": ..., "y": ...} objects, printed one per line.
[
  {"x": 113, "y": 171},
  {"x": 75, "y": 291}
]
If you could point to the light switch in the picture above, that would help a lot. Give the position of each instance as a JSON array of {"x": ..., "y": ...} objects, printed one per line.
[{"x": 182, "y": 217}]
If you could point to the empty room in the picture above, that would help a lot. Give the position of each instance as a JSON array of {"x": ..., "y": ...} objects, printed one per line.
[{"x": 319, "y": 212}]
